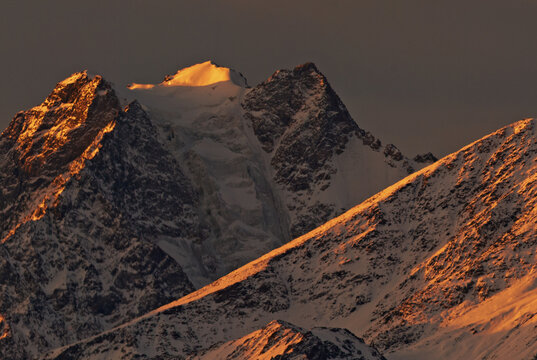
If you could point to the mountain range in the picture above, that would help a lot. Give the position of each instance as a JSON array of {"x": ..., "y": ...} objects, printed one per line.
[{"x": 202, "y": 218}]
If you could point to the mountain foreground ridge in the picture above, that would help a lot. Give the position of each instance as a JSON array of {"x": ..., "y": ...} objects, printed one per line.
[{"x": 439, "y": 265}]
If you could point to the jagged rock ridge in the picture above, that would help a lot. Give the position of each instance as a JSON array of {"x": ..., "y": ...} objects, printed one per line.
[{"x": 86, "y": 188}]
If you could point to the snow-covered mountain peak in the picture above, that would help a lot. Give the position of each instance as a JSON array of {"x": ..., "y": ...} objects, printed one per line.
[
  {"x": 203, "y": 74},
  {"x": 62, "y": 127},
  {"x": 315, "y": 147}
]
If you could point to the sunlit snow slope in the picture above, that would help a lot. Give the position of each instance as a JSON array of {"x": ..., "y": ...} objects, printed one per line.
[
  {"x": 203, "y": 74},
  {"x": 440, "y": 265}
]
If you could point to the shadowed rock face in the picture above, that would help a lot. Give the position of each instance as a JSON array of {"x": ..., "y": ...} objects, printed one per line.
[
  {"x": 425, "y": 158},
  {"x": 86, "y": 192},
  {"x": 304, "y": 128},
  {"x": 300, "y": 120},
  {"x": 48, "y": 137}
]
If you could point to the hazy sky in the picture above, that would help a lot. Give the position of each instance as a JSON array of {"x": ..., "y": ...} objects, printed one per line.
[{"x": 424, "y": 75}]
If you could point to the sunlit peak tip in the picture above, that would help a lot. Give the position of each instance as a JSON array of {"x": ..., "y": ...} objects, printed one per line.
[
  {"x": 202, "y": 74},
  {"x": 135, "y": 86},
  {"x": 74, "y": 77}
]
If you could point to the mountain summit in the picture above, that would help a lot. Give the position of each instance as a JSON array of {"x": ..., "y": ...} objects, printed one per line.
[
  {"x": 203, "y": 74},
  {"x": 322, "y": 162}
]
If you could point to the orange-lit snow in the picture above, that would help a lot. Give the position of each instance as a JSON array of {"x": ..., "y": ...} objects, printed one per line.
[
  {"x": 203, "y": 74},
  {"x": 501, "y": 325},
  {"x": 135, "y": 86}
]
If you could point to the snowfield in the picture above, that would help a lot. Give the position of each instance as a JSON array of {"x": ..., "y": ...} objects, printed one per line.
[{"x": 256, "y": 197}]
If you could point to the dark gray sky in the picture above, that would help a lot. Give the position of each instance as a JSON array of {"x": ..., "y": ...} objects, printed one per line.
[{"x": 424, "y": 75}]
